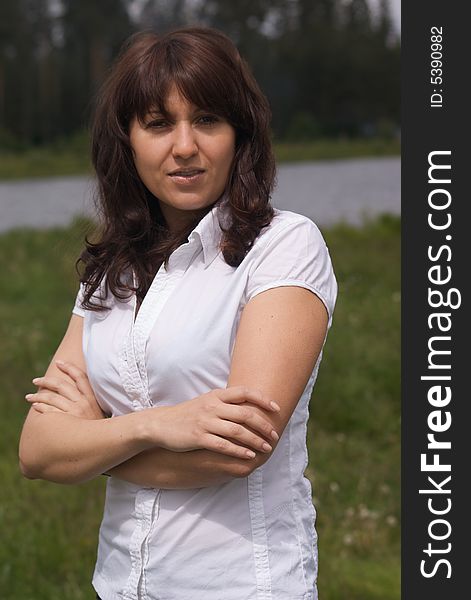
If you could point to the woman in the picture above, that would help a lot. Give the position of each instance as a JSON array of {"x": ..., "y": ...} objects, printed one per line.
[{"x": 198, "y": 328}]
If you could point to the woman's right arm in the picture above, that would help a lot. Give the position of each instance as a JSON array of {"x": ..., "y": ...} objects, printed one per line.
[
  {"x": 62, "y": 448},
  {"x": 161, "y": 468},
  {"x": 58, "y": 446}
]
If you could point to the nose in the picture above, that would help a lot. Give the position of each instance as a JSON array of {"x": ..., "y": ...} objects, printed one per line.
[{"x": 184, "y": 142}]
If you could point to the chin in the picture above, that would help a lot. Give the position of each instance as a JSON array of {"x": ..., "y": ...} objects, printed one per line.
[{"x": 186, "y": 202}]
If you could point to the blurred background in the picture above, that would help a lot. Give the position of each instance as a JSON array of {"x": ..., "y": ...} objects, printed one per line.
[{"x": 330, "y": 69}]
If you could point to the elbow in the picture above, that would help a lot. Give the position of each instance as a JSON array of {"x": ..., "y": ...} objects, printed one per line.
[
  {"x": 27, "y": 464},
  {"x": 34, "y": 463},
  {"x": 31, "y": 462},
  {"x": 32, "y": 468},
  {"x": 27, "y": 468},
  {"x": 28, "y": 459}
]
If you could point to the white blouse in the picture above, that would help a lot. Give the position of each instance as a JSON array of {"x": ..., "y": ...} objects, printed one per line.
[{"x": 251, "y": 538}]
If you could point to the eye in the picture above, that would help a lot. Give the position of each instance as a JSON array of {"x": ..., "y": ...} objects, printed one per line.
[
  {"x": 157, "y": 124},
  {"x": 208, "y": 120}
]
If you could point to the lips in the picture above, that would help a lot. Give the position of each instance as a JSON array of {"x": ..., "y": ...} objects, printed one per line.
[
  {"x": 186, "y": 172},
  {"x": 187, "y": 177}
]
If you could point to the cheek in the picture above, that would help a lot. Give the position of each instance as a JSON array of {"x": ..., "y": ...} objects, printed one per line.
[
  {"x": 227, "y": 154},
  {"x": 142, "y": 156},
  {"x": 148, "y": 167},
  {"x": 145, "y": 150},
  {"x": 140, "y": 167}
]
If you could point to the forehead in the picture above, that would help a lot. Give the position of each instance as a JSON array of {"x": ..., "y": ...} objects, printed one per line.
[
  {"x": 165, "y": 91},
  {"x": 175, "y": 102}
]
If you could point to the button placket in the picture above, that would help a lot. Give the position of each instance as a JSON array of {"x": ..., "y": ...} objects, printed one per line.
[
  {"x": 131, "y": 374},
  {"x": 157, "y": 297},
  {"x": 259, "y": 535},
  {"x": 135, "y": 382},
  {"x": 146, "y": 504}
]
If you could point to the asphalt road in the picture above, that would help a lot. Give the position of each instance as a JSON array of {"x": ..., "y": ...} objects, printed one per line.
[{"x": 325, "y": 191}]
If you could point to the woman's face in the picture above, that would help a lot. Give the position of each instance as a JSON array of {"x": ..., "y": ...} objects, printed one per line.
[{"x": 184, "y": 160}]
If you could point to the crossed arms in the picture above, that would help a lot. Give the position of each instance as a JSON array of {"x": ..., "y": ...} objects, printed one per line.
[{"x": 198, "y": 443}]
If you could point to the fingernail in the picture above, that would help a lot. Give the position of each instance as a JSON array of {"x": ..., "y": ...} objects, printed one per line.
[
  {"x": 60, "y": 362},
  {"x": 275, "y": 406},
  {"x": 250, "y": 454},
  {"x": 36, "y": 379},
  {"x": 266, "y": 447},
  {"x": 275, "y": 436},
  {"x": 28, "y": 396}
]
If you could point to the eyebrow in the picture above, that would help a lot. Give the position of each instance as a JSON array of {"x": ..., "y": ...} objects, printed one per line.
[{"x": 162, "y": 112}]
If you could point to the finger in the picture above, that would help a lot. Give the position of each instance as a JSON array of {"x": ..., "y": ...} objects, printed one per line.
[
  {"x": 78, "y": 375},
  {"x": 245, "y": 415},
  {"x": 239, "y": 393},
  {"x": 44, "y": 408},
  {"x": 223, "y": 446},
  {"x": 50, "y": 399},
  {"x": 61, "y": 386},
  {"x": 82, "y": 382},
  {"x": 240, "y": 434}
]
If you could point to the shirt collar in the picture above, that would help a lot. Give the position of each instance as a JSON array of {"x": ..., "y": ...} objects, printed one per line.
[{"x": 209, "y": 230}]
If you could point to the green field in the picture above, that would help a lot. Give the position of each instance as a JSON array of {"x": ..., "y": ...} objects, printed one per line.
[
  {"x": 49, "y": 532},
  {"x": 72, "y": 157}
]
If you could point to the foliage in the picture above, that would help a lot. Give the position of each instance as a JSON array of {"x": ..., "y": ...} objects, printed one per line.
[
  {"x": 52, "y": 58},
  {"x": 71, "y": 156},
  {"x": 49, "y": 531},
  {"x": 325, "y": 61}
]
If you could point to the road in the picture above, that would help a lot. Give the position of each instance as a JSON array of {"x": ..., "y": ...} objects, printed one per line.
[{"x": 325, "y": 191}]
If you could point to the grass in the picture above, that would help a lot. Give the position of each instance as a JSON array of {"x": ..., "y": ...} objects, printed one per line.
[
  {"x": 43, "y": 162},
  {"x": 354, "y": 434},
  {"x": 49, "y": 531},
  {"x": 72, "y": 158},
  {"x": 336, "y": 148}
]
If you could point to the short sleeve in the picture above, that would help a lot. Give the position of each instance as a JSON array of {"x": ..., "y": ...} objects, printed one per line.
[
  {"x": 77, "y": 309},
  {"x": 296, "y": 255}
]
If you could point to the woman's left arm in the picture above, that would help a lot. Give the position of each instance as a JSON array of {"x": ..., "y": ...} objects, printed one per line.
[
  {"x": 280, "y": 336},
  {"x": 278, "y": 342}
]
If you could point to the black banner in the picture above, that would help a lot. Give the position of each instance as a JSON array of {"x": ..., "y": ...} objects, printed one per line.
[{"x": 436, "y": 165}]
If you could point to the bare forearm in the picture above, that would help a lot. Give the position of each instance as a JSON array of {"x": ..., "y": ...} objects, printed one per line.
[
  {"x": 165, "y": 469},
  {"x": 63, "y": 440},
  {"x": 65, "y": 449}
]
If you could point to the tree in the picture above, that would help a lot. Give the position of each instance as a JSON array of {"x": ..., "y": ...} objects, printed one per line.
[
  {"x": 93, "y": 32},
  {"x": 162, "y": 15},
  {"x": 326, "y": 66},
  {"x": 25, "y": 69}
]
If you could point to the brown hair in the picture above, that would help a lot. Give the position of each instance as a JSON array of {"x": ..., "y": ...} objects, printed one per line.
[{"x": 208, "y": 71}]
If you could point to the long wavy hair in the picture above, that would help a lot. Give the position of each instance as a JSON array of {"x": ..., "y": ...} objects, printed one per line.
[{"x": 133, "y": 237}]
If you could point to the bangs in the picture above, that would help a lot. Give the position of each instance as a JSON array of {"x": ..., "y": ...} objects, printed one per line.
[{"x": 199, "y": 74}]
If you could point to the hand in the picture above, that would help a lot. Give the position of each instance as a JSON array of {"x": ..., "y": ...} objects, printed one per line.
[
  {"x": 58, "y": 395},
  {"x": 211, "y": 421}
]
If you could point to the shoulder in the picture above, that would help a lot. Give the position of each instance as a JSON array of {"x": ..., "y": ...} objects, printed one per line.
[
  {"x": 290, "y": 227},
  {"x": 100, "y": 297},
  {"x": 292, "y": 252}
]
